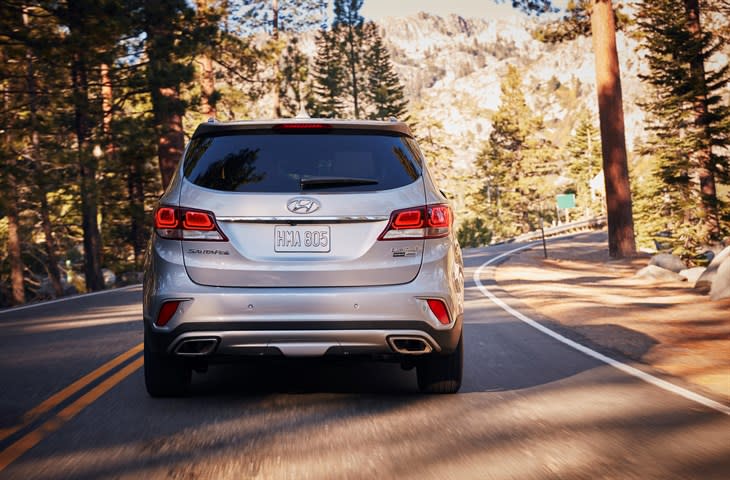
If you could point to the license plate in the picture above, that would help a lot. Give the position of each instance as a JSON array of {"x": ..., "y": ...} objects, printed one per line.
[{"x": 302, "y": 238}]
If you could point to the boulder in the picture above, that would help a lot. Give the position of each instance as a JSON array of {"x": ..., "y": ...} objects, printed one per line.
[
  {"x": 110, "y": 278},
  {"x": 721, "y": 283},
  {"x": 692, "y": 274},
  {"x": 656, "y": 274},
  {"x": 706, "y": 279},
  {"x": 668, "y": 261}
]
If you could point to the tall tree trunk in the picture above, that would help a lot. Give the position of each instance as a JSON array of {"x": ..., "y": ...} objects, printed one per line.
[
  {"x": 87, "y": 163},
  {"x": 208, "y": 86},
  {"x": 171, "y": 140},
  {"x": 702, "y": 158},
  {"x": 353, "y": 70},
  {"x": 107, "y": 108},
  {"x": 9, "y": 181},
  {"x": 135, "y": 192},
  {"x": 51, "y": 247},
  {"x": 207, "y": 77},
  {"x": 14, "y": 254},
  {"x": 621, "y": 242},
  {"x": 164, "y": 76},
  {"x": 16, "y": 260},
  {"x": 277, "y": 66},
  {"x": 87, "y": 177},
  {"x": 54, "y": 272}
]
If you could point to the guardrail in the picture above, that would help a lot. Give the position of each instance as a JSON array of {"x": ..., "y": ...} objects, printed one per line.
[{"x": 591, "y": 223}]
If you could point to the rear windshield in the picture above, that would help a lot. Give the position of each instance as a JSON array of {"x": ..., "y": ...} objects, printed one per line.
[{"x": 334, "y": 161}]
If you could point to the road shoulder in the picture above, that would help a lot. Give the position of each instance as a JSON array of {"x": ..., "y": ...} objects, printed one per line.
[{"x": 668, "y": 326}]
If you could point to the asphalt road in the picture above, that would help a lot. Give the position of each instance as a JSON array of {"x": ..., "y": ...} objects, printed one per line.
[{"x": 73, "y": 405}]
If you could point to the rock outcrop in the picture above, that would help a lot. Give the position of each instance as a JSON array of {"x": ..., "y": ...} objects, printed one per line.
[
  {"x": 668, "y": 262},
  {"x": 721, "y": 283},
  {"x": 707, "y": 278},
  {"x": 655, "y": 274},
  {"x": 692, "y": 274}
]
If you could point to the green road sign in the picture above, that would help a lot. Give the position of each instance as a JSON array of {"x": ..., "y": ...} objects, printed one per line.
[{"x": 566, "y": 201}]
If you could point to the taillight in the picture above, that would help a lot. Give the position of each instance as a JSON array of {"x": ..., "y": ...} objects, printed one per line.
[
  {"x": 167, "y": 310},
  {"x": 302, "y": 126},
  {"x": 178, "y": 223},
  {"x": 198, "y": 221},
  {"x": 438, "y": 308},
  {"x": 429, "y": 221}
]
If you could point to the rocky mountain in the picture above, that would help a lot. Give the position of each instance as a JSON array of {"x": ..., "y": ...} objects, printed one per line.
[{"x": 452, "y": 69}]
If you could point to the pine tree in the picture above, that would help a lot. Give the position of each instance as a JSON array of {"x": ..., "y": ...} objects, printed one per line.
[
  {"x": 584, "y": 154},
  {"x": 277, "y": 18},
  {"x": 328, "y": 77},
  {"x": 168, "y": 42},
  {"x": 285, "y": 15},
  {"x": 434, "y": 145},
  {"x": 688, "y": 119},
  {"x": 295, "y": 72},
  {"x": 603, "y": 22},
  {"x": 208, "y": 13},
  {"x": 384, "y": 89},
  {"x": 515, "y": 164},
  {"x": 348, "y": 28}
]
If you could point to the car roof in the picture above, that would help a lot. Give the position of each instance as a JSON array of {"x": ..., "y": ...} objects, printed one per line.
[{"x": 213, "y": 126}]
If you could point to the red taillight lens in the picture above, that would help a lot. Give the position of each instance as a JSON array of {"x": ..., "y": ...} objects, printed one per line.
[
  {"x": 175, "y": 223},
  {"x": 429, "y": 221},
  {"x": 439, "y": 216},
  {"x": 198, "y": 221},
  {"x": 408, "y": 219},
  {"x": 166, "y": 217},
  {"x": 438, "y": 308},
  {"x": 167, "y": 310}
]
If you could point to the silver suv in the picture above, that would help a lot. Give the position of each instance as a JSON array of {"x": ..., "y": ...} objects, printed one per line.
[{"x": 303, "y": 238}]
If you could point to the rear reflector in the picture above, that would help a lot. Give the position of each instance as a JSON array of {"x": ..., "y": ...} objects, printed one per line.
[
  {"x": 428, "y": 221},
  {"x": 438, "y": 308},
  {"x": 167, "y": 310},
  {"x": 176, "y": 223}
]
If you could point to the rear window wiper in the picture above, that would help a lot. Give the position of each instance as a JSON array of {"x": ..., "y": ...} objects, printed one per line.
[{"x": 332, "y": 182}]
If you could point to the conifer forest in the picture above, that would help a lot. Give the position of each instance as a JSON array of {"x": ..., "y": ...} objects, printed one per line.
[{"x": 98, "y": 99}]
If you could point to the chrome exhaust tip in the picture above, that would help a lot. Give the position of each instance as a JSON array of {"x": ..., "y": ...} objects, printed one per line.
[
  {"x": 196, "y": 347},
  {"x": 410, "y": 345}
]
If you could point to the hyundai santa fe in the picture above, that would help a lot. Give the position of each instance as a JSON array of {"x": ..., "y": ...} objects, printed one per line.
[{"x": 303, "y": 238}]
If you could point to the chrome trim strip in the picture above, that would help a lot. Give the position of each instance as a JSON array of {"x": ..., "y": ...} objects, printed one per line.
[{"x": 300, "y": 219}]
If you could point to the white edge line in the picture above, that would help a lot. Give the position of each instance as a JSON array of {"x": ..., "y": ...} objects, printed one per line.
[
  {"x": 65, "y": 299},
  {"x": 635, "y": 372}
]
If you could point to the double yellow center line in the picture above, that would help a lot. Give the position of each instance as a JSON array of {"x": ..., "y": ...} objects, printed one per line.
[{"x": 32, "y": 438}]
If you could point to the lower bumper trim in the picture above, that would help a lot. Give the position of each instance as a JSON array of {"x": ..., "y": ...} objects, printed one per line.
[{"x": 300, "y": 343}]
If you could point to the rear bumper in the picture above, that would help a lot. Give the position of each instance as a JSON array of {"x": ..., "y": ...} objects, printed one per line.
[
  {"x": 301, "y": 339},
  {"x": 300, "y": 321}
]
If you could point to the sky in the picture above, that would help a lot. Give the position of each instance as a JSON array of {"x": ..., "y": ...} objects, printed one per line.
[{"x": 375, "y": 9}]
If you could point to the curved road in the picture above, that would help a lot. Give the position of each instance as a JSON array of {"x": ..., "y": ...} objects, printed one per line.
[{"x": 73, "y": 405}]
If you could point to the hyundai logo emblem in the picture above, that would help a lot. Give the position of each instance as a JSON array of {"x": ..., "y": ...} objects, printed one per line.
[{"x": 302, "y": 205}]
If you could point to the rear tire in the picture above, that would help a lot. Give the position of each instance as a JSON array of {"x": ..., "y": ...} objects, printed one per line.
[
  {"x": 164, "y": 375},
  {"x": 441, "y": 373}
]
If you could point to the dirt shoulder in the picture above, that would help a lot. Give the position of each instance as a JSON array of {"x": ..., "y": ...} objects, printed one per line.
[{"x": 668, "y": 326}]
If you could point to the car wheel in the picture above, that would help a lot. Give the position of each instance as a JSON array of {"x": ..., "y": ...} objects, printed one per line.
[
  {"x": 165, "y": 376},
  {"x": 441, "y": 373}
]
